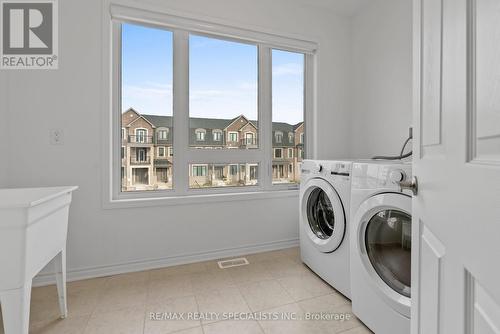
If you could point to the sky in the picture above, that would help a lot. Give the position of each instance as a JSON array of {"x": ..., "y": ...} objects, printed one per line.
[{"x": 222, "y": 77}]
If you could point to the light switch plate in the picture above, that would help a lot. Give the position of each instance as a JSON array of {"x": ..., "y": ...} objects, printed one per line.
[{"x": 56, "y": 136}]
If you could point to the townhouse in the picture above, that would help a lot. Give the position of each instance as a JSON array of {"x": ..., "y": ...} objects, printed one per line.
[{"x": 147, "y": 151}]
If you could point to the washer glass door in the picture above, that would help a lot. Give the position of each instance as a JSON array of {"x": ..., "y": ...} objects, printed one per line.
[
  {"x": 320, "y": 214},
  {"x": 323, "y": 218},
  {"x": 388, "y": 246}
]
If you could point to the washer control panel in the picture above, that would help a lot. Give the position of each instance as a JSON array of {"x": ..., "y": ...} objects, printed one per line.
[{"x": 341, "y": 169}]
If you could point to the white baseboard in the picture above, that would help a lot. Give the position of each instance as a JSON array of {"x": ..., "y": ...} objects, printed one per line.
[{"x": 47, "y": 278}]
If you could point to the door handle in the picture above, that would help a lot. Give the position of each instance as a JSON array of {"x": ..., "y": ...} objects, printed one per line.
[{"x": 410, "y": 185}]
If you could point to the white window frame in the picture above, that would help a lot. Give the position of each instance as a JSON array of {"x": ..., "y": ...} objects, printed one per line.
[
  {"x": 217, "y": 132},
  {"x": 164, "y": 152},
  {"x": 280, "y": 135},
  {"x": 229, "y": 133},
  {"x": 161, "y": 130},
  {"x": 205, "y": 166},
  {"x": 246, "y": 138},
  {"x": 290, "y": 150},
  {"x": 278, "y": 149},
  {"x": 145, "y": 136},
  {"x": 237, "y": 169},
  {"x": 117, "y": 12},
  {"x": 203, "y": 132},
  {"x": 170, "y": 151}
]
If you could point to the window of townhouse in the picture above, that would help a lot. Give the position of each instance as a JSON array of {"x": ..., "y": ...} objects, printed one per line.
[
  {"x": 217, "y": 134},
  {"x": 237, "y": 95}
]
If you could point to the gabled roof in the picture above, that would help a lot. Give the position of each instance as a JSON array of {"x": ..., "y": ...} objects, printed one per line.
[
  {"x": 296, "y": 126},
  {"x": 160, "y": 121},
  {"x": 210, "y": 124},
  {"x": 130, "y": 110}
]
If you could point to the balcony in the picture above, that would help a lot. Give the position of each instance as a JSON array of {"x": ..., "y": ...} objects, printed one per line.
[
  {"x": 249, "y": 143},
  {"x": 162, "y": 163},
  {"x": 160, "y": 141},
  {"x": 140, "y": 161},
  {"x": 140, "y": 140}
]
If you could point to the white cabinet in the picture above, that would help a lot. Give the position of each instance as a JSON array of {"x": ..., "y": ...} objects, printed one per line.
[{"x": 33, "y": 231}]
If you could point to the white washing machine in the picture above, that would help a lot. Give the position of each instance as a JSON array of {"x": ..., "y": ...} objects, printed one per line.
[
  {"x": 381, "y": 246},
  {"x": 324, "y": 215}
]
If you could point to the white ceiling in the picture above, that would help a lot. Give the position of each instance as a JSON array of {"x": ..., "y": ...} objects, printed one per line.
[{"x": 345, "y": 7}]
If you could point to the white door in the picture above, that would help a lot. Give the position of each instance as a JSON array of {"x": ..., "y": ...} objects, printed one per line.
[{"x": 456, "y": 214}]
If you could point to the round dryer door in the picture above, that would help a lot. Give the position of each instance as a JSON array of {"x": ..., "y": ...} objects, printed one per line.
[
  {"x": 323, "y": 217},
  {"x": 384, "y": 243}
]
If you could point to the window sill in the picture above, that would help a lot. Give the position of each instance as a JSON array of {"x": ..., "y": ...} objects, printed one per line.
[{"x": 198, "y": 199}]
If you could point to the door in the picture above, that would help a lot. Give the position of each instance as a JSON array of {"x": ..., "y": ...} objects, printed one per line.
[
  {"x": 456, "y": 217},
  {"x": 140, "y": 135},
  {"x": 140, "y": 175},
  {"x": 323, "y": 217},
  {"x": 141, "y": 155},
  {"x": 162, "y": 174}
]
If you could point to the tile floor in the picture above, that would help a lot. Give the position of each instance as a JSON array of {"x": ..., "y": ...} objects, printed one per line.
[{"x": 274, "y": 284}]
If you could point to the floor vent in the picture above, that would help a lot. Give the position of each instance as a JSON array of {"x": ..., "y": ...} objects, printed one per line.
[{"x": 233, "y": 263}]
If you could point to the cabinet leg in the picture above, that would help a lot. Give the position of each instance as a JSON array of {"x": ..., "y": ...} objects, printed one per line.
[
  {"x": 60, "y": 270},
  {"x": 16, "y": 309}
]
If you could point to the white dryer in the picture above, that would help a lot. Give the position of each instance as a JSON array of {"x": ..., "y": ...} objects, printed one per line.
[
  {"x": 381, "y": 246},
  {"x": 324, "y": 216}
]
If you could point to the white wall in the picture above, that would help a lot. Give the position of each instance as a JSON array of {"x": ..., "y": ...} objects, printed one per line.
[
  {"x": 381, "y": 78},
  {"x": 69, "y": 98}
]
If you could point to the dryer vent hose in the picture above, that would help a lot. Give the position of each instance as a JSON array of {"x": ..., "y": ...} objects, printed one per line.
[{"x": 402, "y": 155}]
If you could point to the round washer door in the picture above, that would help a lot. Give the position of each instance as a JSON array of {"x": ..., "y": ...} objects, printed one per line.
[
  {"x": 323, "y": 217},
  {"x": 384, "y": 244}
]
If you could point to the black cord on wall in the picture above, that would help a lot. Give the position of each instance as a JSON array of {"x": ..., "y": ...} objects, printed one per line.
[{"x": 401, "y": 155}]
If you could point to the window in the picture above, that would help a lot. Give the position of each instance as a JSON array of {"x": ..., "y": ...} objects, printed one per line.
[
  {"x": 161, "y": 151},
  {"x": 146, "y": 104},
  {"x": 278, "y": 137},
  {"x": 233, "y": 90},
  {"x": 200, "y": 134},
  {"x": 141, "y": 155},
  {"x": 249, "y": 139},
  {"x": 141, "y": 135},
  {"x": 233, "y": 137},
  {"x": 123, "y": 152},
  {"x": 163, "y": 134},
  {"x": 223, "y": 175},
  {"x": 234, "y": 169},
  {"x": 199, "y": 170},
  {"x": 217, "y": 134},
  {"x": 288, "y": 87},
  {"x": 223, "y": 83}
]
